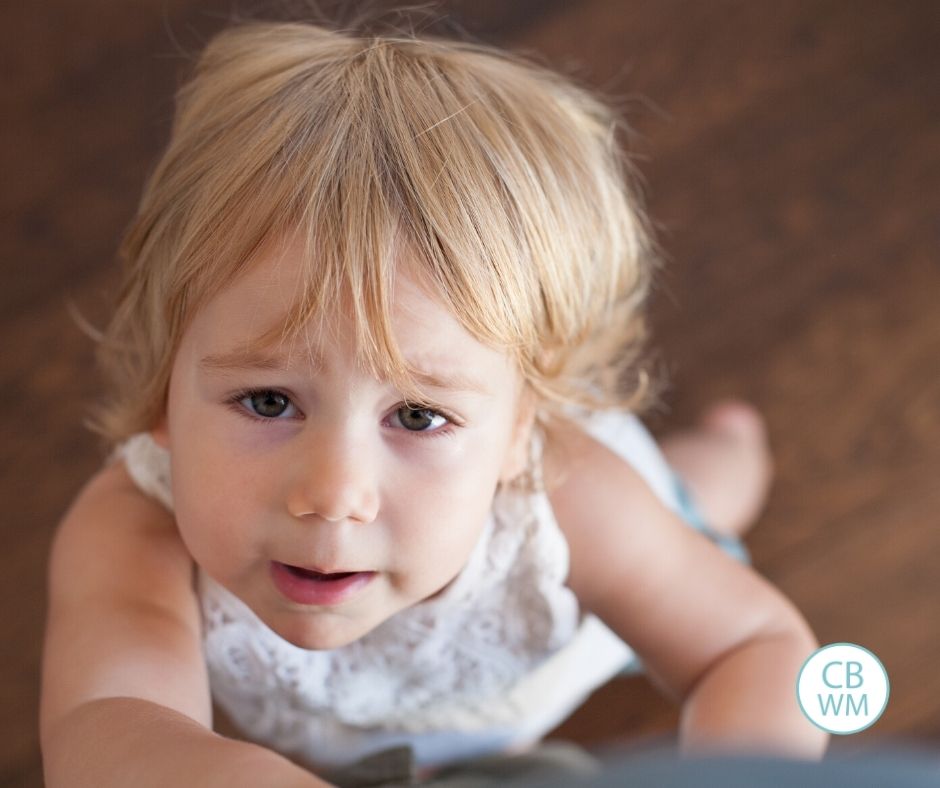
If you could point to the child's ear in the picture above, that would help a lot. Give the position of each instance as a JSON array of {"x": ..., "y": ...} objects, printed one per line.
[
  {"x": 517, "y": 454},
  {"x": 160, "y": 433}
]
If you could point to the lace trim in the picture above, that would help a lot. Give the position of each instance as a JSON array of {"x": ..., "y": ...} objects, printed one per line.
[{"x": 148, "y": 464}]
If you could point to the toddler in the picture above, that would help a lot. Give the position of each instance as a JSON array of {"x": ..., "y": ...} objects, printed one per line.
[{"x": 376, "y": 484}]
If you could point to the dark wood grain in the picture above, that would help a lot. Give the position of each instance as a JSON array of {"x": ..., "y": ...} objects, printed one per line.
[{"x": 791, "y": 157}]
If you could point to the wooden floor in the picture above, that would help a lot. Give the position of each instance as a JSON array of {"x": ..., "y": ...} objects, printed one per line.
[{"x": 791, "y": 155}]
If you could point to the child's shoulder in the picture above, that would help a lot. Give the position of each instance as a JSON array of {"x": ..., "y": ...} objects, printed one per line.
[
  {"x": 576, "y": 445},
  {"x": 123, "y": 619},
  {"x": 117, "y": 527},
  {"x": 574, "y": 459}
]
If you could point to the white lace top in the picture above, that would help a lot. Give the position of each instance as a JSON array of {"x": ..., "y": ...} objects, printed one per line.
[{"x": 497, "y": 660}]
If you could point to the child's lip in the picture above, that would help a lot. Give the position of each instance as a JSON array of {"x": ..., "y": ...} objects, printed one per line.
[
  {"x": 322, "y": 591},
  {"x": 320, "y": 571}
]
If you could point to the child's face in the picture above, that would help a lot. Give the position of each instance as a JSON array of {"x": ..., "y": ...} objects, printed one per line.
[{"x": 325, "y": 469}]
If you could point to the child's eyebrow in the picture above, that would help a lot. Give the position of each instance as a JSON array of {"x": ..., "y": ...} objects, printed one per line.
[{"x": 222, "y": 364}]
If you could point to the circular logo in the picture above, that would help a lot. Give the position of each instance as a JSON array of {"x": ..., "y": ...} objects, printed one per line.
[{"x": 843, "y": 688}]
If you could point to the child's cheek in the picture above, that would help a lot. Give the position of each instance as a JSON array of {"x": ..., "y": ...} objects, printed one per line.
[{"x": 209, "y": 523}]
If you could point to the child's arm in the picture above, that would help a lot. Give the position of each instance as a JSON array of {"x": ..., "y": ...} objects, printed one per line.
[
  {"x": 125, "y": 697},
  {"x": 711, "y": 632}
]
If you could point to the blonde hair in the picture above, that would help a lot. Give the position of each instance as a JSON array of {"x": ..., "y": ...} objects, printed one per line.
[{"x": 503, "y": 179}]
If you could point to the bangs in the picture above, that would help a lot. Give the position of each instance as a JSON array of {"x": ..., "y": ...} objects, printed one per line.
[{"x": 377, "y": 156}]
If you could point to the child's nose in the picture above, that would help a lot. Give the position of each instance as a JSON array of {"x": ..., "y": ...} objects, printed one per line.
[{"x": 334, "y": 480}]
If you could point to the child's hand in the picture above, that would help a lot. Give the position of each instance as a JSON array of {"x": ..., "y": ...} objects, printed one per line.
[
  {"x": 711, "y": 632},
  {"x": 125, "y": 694}
]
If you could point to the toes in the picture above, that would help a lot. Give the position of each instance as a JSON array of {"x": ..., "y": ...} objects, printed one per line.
[
  {"x": 737, "y": 417},
  {"x": 743, "y": 424},
  {"x": 726, "y": 462}
]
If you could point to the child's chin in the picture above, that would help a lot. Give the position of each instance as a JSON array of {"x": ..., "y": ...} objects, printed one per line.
[{"x": 322, "y": 635}]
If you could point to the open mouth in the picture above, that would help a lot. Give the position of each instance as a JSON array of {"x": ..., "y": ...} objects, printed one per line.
[
  {"x": 310, "y": 574},
  {"x": 310, "y": 587}
]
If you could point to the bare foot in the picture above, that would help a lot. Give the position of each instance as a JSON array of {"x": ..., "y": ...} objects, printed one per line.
[{"x": 726, "y": 464}]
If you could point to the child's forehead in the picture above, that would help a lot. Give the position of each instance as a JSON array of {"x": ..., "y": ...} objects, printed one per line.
[
  {"x": 262, "y": 321},
  {"x": 436, "y": 367},
  {"x": 283, "y": 285}
]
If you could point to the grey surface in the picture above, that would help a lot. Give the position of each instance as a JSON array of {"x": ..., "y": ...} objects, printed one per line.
[{"x": 896, "y": 768}]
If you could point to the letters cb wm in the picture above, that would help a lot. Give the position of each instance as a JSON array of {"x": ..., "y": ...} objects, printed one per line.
[{"x": 843, "y": 688}]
